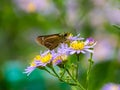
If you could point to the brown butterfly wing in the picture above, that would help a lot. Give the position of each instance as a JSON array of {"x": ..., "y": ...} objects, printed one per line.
[
  {"x": 52, "y": 42},
  {"x": 49, "y": 41},
  {"x": 40, "y": 40}
]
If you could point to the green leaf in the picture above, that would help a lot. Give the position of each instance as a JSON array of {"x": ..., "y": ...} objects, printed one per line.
[{"x": 117, "y": 27}]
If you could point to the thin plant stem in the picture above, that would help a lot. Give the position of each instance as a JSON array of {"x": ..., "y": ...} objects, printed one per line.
[
  {"x": 61, "y": 78},
  {"x": 55, "y": 72},
  {"x": 70, "y": 75},
  {"x": 62, "y": 74},
  {"x": 117, "y": 46},
  {"x": 79, "y": 85},
  {"x": 77, "y": 67},
  {"x": 75, "y": 80},
  {"x": 49, "y": 72},
  {"x": 89, "y": 70}
]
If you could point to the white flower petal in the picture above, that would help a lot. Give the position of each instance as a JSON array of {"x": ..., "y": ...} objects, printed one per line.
[
  {"x": 86, "y": 42},
  {"x": 88, "y": 47},
  {"x": 89, "y": 50},
  {"x": 83, "y": 52},
  {"x": 72, "y": 52},
  {"x": 78, "y": 51}
]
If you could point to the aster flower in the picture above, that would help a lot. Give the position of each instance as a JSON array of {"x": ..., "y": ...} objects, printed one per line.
[
  {"x": 28, "y": 70},
  {"x": 39, "y": 61},
  {"x": 32, "y": 66},
  {"x": 44, "y": 59},
  {"x": 61, "y": 55},
  {"x": 78, "y": 46},
  {"x": 111, "y": 86}
]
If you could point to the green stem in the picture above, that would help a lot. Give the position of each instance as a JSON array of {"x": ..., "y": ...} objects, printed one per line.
[
  {"x": 49, "y": 72},
  {"x": 60, "y": 78},
  {"x": 89, "y": 70},
  {"x": 70, "y": 75},
  {"x": 78, "y": 84},
  {"x": 55, "y": 72},
  {"x": 62, "y": 74},
  {"x": 117, "y": 47},
  {"x": 77, "y": 68},
  {"x": 78, "y": 59}
]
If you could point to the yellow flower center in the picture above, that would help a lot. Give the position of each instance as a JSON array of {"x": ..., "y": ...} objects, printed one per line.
[
  {"x": 46, "y": 58},
  {"x": 38, "y": 57},
  {"x": 77, "y": 45}
]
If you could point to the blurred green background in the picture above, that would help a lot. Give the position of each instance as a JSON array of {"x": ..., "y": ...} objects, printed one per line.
[{"x": 21, "y": 21}]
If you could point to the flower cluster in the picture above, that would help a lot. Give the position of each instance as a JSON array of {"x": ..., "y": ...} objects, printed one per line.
[{"x": 59, "y": 55}]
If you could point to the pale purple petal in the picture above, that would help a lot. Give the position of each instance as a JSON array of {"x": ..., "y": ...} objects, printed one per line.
[
  {"x": 38, "y": 63},
  {"x": 28, "y": 70},
  {"x": 111, "y": 86},
  {"x": 94, "y": 44},
  {"x": 63, "y": 49},
  {"x": 58, "y": 62},
  {"x": 72, "y": 52},
  {"x": 90, "y": 40},
  {"x": 83, "y": 52},
  {"x": 78, "y": 51},
  {"x": 91, "y": 46},
  {"x": 76, "y": 38},
  {"x": 86, "y": 42},
  {"x": 89, "y": 50},
  {"x": 88, "y": 47}
]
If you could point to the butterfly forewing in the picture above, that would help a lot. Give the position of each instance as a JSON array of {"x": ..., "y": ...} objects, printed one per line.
[{"x": 50, "y": 41}]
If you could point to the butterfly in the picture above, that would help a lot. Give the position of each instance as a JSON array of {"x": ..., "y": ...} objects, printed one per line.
[{"x": 53, "y": 40}]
